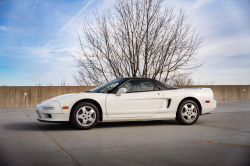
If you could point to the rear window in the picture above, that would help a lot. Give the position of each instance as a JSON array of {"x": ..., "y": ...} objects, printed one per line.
[
  {"x": 163, "y": 86},
  {"x": 168, "y": 86}
]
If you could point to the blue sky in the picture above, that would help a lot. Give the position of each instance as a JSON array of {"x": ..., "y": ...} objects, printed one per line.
[{"x": 37, "y": 38}]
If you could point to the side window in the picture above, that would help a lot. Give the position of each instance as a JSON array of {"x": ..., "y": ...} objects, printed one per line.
[
  {"x": 127, "y": 86},
  {"x": 137, "y": 85},
  {"x": 108, "y": 88},
  {"x": 146, "y": 86}
]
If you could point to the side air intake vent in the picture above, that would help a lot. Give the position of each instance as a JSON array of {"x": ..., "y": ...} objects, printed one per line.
[{"x": 169, "y": 102}]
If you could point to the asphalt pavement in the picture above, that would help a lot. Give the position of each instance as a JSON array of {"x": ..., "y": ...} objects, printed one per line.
[{"x": 221, "y": 138}]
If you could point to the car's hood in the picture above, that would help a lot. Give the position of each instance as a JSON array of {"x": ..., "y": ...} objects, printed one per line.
[
  {"x": 70, "y": 99},
  {"x": 58, "y": 98}
]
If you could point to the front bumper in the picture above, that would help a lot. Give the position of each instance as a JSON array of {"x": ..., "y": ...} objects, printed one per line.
[
  {"x": 55, "y": 115},
  {"x": 52, "y": 117}
]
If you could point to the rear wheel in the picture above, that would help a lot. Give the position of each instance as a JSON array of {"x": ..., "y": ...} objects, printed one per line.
[
  {"x": 187, "y": 113},
  {"x": 85, "y": 115}
]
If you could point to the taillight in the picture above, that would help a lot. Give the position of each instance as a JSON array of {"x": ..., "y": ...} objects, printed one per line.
[{"x": 207, "y": 101}]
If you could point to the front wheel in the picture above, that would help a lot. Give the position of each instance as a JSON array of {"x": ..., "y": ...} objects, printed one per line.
[
  {"x": 187, "y": 113},
  {"x": 85, "y": 116}
]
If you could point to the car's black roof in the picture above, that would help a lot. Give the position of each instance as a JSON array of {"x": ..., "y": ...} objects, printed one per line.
[{"x": 136, "y": 78}]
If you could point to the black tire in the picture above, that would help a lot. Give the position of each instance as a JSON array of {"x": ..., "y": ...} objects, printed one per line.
[
  {"x": 187, "y": 116},
  {"x": 84, "y": 110}
]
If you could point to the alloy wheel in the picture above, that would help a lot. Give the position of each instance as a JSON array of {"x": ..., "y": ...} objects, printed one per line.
[
  {"x": 189, "y": 112},
  {"x": 86, "y": 116}
]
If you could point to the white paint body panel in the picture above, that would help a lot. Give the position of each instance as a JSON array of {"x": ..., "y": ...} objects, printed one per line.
[
  {"x": 153, "y": 105},
  {"x": 132, "y": 105}
]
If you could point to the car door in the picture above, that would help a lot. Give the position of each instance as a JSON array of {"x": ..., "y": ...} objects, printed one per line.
[{"x": 141, "y": 100}]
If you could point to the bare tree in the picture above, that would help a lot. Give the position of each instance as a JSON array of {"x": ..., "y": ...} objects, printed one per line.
[
  {"x": 39, "y": 84},
  {"x": 49, "y": 84},
  {"x": 208, "y": 82},
  {"x": 182, "y": 80},
  {"x": 63, "y": 82},
  {"x": 139, "y": 38}
]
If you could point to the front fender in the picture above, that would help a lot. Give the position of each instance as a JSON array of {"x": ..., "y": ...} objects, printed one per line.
[{"x": 72, "y": 100}]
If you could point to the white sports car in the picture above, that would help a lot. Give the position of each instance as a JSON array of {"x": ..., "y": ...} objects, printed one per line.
[{"x": 128, "y": 99}]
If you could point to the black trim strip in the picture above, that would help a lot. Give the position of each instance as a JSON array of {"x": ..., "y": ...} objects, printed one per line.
[
  {"x": 169, "y": 101},
  {"x": 52, "y": 121}
]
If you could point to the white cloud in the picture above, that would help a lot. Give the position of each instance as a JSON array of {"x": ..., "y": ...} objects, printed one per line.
[
  {"x": 229, "y": 46},
  {"x": 48, "y": 43},
  {"x": 35, "y": 4},
  {"x": 199, "y": 4},
  {"x": 23, "y": 44},
  {"x": 71, "y": 20},
  {"x": 75, "y": 16},
  {"x": 225, "y": 76},
  {"x": 3, "y": 28}
]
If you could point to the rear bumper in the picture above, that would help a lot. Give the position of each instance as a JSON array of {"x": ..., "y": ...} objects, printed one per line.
[
  {"x": 209, "y": 110},
  {"x": 214, "y": 104}
]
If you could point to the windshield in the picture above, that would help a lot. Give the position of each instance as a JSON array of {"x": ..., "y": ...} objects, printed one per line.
[
  {"x": 169, "y": 86},
  {"x": 105, "y": 88}
]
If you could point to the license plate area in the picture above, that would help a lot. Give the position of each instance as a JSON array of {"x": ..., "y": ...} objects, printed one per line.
[{"x": 38, "y": 114}]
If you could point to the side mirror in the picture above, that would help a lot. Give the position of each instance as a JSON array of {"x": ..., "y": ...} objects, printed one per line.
[
  {"x": 121, "y": 91},
  {"x": 156, "y": 88}
]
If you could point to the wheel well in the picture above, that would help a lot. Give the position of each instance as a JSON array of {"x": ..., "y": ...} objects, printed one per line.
[
  {"x": 90, "y": 101},
  {"x": 193, "y": 99}
]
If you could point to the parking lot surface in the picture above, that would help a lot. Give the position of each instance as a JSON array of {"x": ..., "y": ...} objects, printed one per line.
[{"x": 221, "y": 138}]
